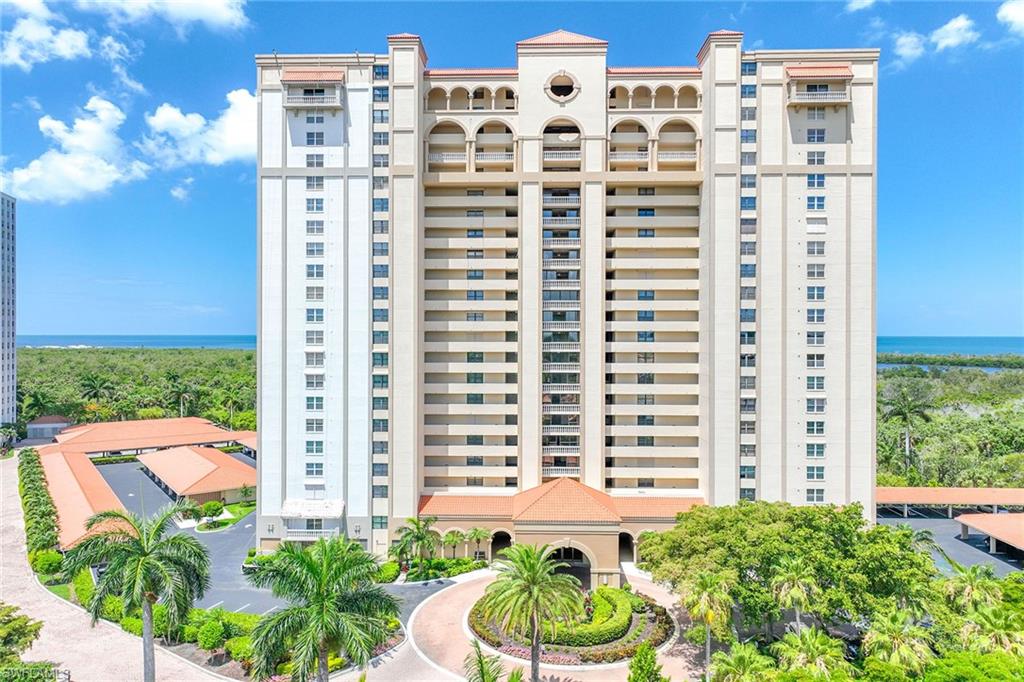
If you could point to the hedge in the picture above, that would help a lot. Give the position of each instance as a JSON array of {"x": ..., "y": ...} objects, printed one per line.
[
  {"x": 211, "y": 635},
  {"x": 40, "y": 515},
  {"x": 83, "y": 587},
  {"x": 388, "y": 572},
  {"x": 334, "y": 662},
  {"x": 46, "y": 561},
  {"x": 132, "y": 625},
  {"x": 613, "y": 627},
  {"x": 240, "y": 649}
]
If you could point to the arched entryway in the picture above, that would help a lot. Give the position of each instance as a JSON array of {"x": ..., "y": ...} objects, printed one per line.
[
  {"x": 499, "y": 541},
  {"x": 578, "y": 564},
  {"x": 627, "y": 549}
]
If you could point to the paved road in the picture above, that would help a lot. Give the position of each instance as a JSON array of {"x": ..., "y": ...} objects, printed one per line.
[{"x": 947, "y": 535}]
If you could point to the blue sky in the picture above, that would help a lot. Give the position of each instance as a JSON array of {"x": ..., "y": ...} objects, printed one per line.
[{"x": 128, "y": 133}]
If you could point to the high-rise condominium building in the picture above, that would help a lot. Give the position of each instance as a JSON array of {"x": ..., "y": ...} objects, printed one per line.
[
  {"x": 8, "y": 359},
  {"x": 563, "y": 301}
]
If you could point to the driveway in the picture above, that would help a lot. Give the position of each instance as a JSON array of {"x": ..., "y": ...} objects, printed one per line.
[{"x": 968, "y": 552}]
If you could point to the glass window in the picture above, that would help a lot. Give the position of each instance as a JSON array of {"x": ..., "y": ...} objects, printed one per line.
[
  {"x": 815, "y": 293},
  {"x": 815, "y": 203},
  {"x": 314, "y": 227},
  {"x": 380, "y": 227},
  {"x": 381, "y": 116},
  {"x": 748, "y": 315},
  {"x": 314, "y": 402},
  {"x": 646, "y": 337},
  {"x": 748, "y": 494},
  {"x": 380, "y": 359},
  {"x": 314, "y": 447},
  {"x": 314, "y": 160},
  {"x": 815, "y": 180},
  {"x": 380, "y": 522},
  {"x": 816, "y": 315},
  {"x": 815, "y": 158},
  {"x": 380, "y": 491},
  {"x": 315, "y": 205},
  {"x": 314, "y": 314},
  {"x": 380, "y": 94},
  {"x": 748, "y": 270},
  {"x": 314, "y": 138},
  {"x": 815, "y": 383},
  {"x": 748, "y": 383},
  {"x": 380, "y": 204},
  {"x": 314, "y": 117},
  {"x": 815, "y": 248},
  {"x": 816, "y": 450},
  {"x": 815, "y": 405},
  {"x": 748, "y": 405},
  {"x": 748, "y": 91},
  {"x": 645, "y": 315},
  {"x": 815, "y": 338},
  {"x": 380, "y": 72},
  {"x": 380, "y": 469},
  {"x": 314, "y": 337},
  {"x": 379, "y": 425},
  {"x": 815, "y": 134},
  {"x": 380, "y": 139},
  {"x": 748, "y": 338},
  {"x": 747, "y": 471},
  {"x": 314, "y": 381},
  {"x": 748, "y": 203},
  {"x": 380, "y": 314},
  {"x": 748, "y": 248},
  {"x": 748, "y": 135},
  {"x": 748, "y": 360},
  {"x": 645, "y": 295},
  {"x": 815, "y": 495},
  {"x": 380, "y": 160},
  {"x": 748, "y": 181},
  {"x": 748, "y": 113},
  {"x": 380, "y": 270},
  {"x": 815, "y": 428},
  {"x": 815, "y": 360},
  {"x": 815, "y": 113},
  {"x": 748, "y": 293},
  {"x": 380, "y": 248},
  {"x": 748, "y": 158},
  {"x": 314, "y": 182},
  {"x": 816, "y": 270},
  {"x": 748, "y": 68},
  {"x": 314, "y": 468}
]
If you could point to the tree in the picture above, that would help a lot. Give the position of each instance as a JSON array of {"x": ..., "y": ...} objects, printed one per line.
[
  {"x": 643, "y": 667},
  {"x": 812, "y": 651},
  {"x": 479, "y": 667},
  {"x": 96, "y": 388},
  {"x": 742, "y": 663},
  {"x": 333, "y": 604},
  {"x": 993, "y": 629},
  {"x": 970, "y": 666},
  {"x": 794, "y": 585},
  {"x": 528, "y": 593},
  {"x": 453, "y": 539},
  {"x": 422, "y": 538},
  {"x": 972, "y": 587},
  {"x": 182, "y": 393},
  {"x": 905, "y": 402},
  {"x": 17, "y": 633},
  {"x": 895, "y": 638},
  {"x": 708, "y": 601},
  {"x": 145, "y": 566},
  {"x": 8, "y": 434},
  {"x": 246, "y": 492},
  {"x": 478, "y": 535}
]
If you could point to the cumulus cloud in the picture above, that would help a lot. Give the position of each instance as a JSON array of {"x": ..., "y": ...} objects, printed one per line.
[
  {"x": 857, "y": 5},
  {"x": 183, "y": 189},
  {"x": 216, "y": 15},
  {"x": 177, "y": 138},
  {"x": 88, "y": 157},
  {"x": 34, "y": 40},
  {"x": 1011, "y": 13},
  {"x": 956, "y": 32},
  {"x": 909, "y": 46},
  {"x": 118, "y": 54}
]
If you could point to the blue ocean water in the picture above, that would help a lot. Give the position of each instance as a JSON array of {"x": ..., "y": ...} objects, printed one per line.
[{"x": 948, "y": 345}]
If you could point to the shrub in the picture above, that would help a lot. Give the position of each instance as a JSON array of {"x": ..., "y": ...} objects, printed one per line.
[
  {"x": 613, "y": 627},
  {"x": 25, "y": 671},
  {"x": 190, "y": 633},
  {"x": 239, "y": 648},
  {"x": 112, "y": 609},
  {"x": 40, "y": 514},
  {"x": 132, "y": 625},
  {"x": 333, "y": 663},
  {"x": 465, "y": 566},
  {"x": 388, "y": 572},
  {"x": 969, "y": 666},
  {"x": 238, "y": 624},
  {"x": 877, "y": 670},
  {"x": 644, "y": 665},
  {"x": 211, "y": 635},
  {"x": 46, "y": 561},
  {"x": 212, "y": 508},
  {"x": 161, "y": 622},
  {"x": 84, "y": 587}
]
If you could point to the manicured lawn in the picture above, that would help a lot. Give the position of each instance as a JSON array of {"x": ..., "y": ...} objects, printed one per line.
[
  {"x": 63, "y": 590},
  {"x": 238, "y": 511}
]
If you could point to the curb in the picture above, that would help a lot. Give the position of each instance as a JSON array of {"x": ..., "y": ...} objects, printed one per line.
[{"x": 412, "y": 639}]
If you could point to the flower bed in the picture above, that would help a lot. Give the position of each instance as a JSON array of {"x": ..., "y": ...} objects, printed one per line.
[
  {"x": 433, "y": 569},
  {"x": 618, "y": 622}
]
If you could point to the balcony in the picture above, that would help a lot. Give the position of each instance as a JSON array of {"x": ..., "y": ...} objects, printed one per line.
[
  {"x": 560, "y": 345},
  {"x": 494, "y": 157},
  {"x": 562, "y": 155},
  {"x": 560, "y": 449},
  {"x": 677, "y": 156},
  {"x": 561, "y": 388},
  {"x": 561, "y": 326},
  {"x": 560, "y": 366},
  {"x": 560, "y": 428},
  {"x": 560, "y": 409},
  {"x": 833, "y": 97},
  {"x": 561, "y": 221},
  {"x": 561, "y": 262},
  {"x": 628, "y": 156},
  {"x": 564, "y": 241},
  {"x": 551, "y": 200},
  {"x": 309, "y": 534},
  {"x": 560, "y": 284},
  {"x": 326, "y": 101},
  {"x": 447, "y": 157},
  {"x": 560, "y": 471}
]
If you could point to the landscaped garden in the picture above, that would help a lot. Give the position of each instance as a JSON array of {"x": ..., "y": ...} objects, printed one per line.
[{"x": 214, "y": 509}]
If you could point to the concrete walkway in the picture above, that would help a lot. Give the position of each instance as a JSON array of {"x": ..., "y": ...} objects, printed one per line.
[{"x": 101, "y": 654}]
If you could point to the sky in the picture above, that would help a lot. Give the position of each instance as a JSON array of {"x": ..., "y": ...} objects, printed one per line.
[{"x": 128, "y": 135}]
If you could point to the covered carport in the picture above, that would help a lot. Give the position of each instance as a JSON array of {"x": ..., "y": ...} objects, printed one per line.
[
  {"x": 1005, "y": 531},
  {"x": 920, "y": 500}
]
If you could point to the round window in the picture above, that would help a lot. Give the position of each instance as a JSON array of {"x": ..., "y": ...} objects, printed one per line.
[{"x": 562, "y": 87}]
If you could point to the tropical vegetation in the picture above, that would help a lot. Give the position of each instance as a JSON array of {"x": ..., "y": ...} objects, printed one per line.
[{"x": 36, "y": 503}]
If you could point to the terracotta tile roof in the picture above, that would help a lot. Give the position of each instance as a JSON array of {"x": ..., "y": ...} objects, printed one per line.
[
  {"x": 653, "y": 70},
  {"x": 403, "y": 36},
  {"x": 725, "y": 32},
  {"x": 721, "y": 33},
  {"x": 958, "y": 496},
  {"x": 313, "y": 75},
  {"x": 141, "y": 434},
  {"x": 194, "y": 470},
  {"x": 247, "y": 438},
  {"x": 561, "y": 37},
  {"x": 564, "y": 499},
  {"x": 819, "y": 70},
  {"x": 482, "y": 71},
  {"x": 476, "y": 506},
  {"x": 50, "y": 419},
  {"x": 654, "y": 507},
  {"x": 1006, "y": 527},
  {"x": 78, "y": 491}
]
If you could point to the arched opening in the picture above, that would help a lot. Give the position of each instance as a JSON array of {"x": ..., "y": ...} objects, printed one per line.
[
  {"x": 626, "y": 548},
  {"x": 562, "y": 86},
  {"x": 618, "y": 98},
  {"x": 664, "y": 98},
  {"x": 499, "y": 541},
  {"x": 642, "y": 98},
  {"x": 562, "y": 146},
  {"x": 495, "y": 147},
  {"x": 482, "y": 99},
  {"x": 677, "y": 145},
  {"x": 437, "y": 99},
  {"x": 628, "y": 146},
  {"x": 459, "y": 99},
  {"x": 578, "y": 564},
  {"x": 505, "y": 98},
  {"x": 687, "y": 97},
  {"x": 446, "y": 147}
]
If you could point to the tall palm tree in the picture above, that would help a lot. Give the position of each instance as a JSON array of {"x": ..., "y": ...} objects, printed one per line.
[
  {"x": 182, "y": 393},
  {"x": 230, "y": 402},
  {"x": 422, "y": 536},
  {"x": 529, "y": 593},
  {"x": 477, "y": 535},
  {"x": 794, "y": 585},
  {"x": 906, "y": 402},
  {"x": 972, "y": 587},
  {"x": 895, "y": 638},
  {"x": 479, "y": 667},
  {"x": 707, "y": 599},
  {"x": 453, "y": 539},
  {"x": 812, "y": 650},
  {"x": 742, "y": 663},
  {"x": 96, "y": 387},
  {"x": 334, "y": 605},
  {"x": 995, "y": 628},
  {"x": 145, "y": 565},
  {"x": 37, "y": 403}
]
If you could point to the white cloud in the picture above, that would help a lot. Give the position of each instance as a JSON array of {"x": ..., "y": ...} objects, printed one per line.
[
  {"x": 177, "y": 138},
  {"x": 956, "y": 32},
  {"x": 1011, "y": 13},
  {"x": 181, "y": 14},
  {"x": 909, "y": 46},
  {"x": 89, "y": 158},
  {"x": 33, "y": 40},
  {"x": 32, "y": 8},
  {"x": 857, "y": 5},
  {"x": 118, "y": 54},
  {"x": 183, "y": 189}
]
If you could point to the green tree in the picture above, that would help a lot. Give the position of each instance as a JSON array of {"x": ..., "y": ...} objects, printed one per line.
[
  {"x": 742, "y": 663},
  {"x": 643, "y": 667},
  {"x": 906, "y": 402},
  {"x": 811, "y": 651},
  {"x": 970, "y": 666},
  {"x": 422, "y": 538},
  {"x": 794, "y": 585},
  {"x": 333, "y": 604},
  {"x": 145, "y": 565},
  {"x": 96, "y": 388},
  {"x": 477, "y": 535},
  {"x": 182, "y": 394},
  {"x": 8, "y": 434},
  {"x": 479, "y": 667},
  {"x": 17, "y": 633},
  {"x": 971, "y": 587},
  {"x": 994, "y": 629},
  {"x": 708, "y": 601},
  {"x": 896, "y": 639},
  {"x": 528, "y": 593},
  {"x": 453, "y": 539},
  {"x": 246, "y": 492}
]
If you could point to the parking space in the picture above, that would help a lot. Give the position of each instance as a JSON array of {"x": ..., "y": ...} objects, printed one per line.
[
  {"x": 946, "y": 532},
  {"x": 137, "y": 492}
]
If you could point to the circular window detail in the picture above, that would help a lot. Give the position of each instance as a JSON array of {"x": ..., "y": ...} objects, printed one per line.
[{"x": 562, "y": 87}]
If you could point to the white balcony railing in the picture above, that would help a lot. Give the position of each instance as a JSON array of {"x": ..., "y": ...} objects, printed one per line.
[
  {"x": 561, "y": 428},
  {"x": 562, "y": 155},
  {"x": 561, "y": 262},
  {"x": 561, "y": 326},
  {"x": 495, "y": 156},
  {"x": 560, "y": 449},
  {"x": 560, "y": 221},
  {"x": 830, "y": 96},
  {"x": 561, "y": 345},
  {"x": 677, "y": 156},
  {"x": 561, "y": 388},
  {"x": 561, "y": 366},
  {"x": 561, "y": 201},
  {"x": 627, "y": 156},
  {"x": 331, "y": 100},
  {"x": 561, "y": 284},
  {"x": 563, "y": 241},
  {"x": 447, "y": 157},
  {"x": 307, "y": 534},
  {"x": 560, "y": 409},
  {"x": 560, "y": 471}
]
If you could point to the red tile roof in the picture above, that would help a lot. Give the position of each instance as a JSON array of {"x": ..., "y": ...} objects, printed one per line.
[
  {"x": 564, "y": 499},
  {"x": 721, "y": 33},
  {"x": 819, "y": 70},
  {"x": 643, "y": 508},
  {"x": 313, "y": 75},
  {"x": 247, "y": 438},
  {"x": 958, "y": 496},
  {"x": 1008, "y": 528},
  {"x": 475, "y": 506},
  {"x": 195, "y": 471},
  {"x": 141, "y": 434},
  {"x": 78, "y": 491},
  {"x": 482, "y": 71},
  {"x": 403, "y": 36},
  {"x": 560, "y": 38},
  {"x": 653, "y": 70},
  {"x": 50, "y": 419}
]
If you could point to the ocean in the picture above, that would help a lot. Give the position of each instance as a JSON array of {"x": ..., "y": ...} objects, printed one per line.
[{"x": 932, "y": 345}]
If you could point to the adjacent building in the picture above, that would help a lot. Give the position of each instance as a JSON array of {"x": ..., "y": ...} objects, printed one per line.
[
  {"x": 656, "y": 282},
  {"x": 8, "y": 357}
]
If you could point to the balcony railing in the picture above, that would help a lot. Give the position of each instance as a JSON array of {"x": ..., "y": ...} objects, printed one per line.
[
  {"x": 447, "y": 157},
  {"x": 560, "y": 449},
  {"x": 560, "y": 471},
  {"x": 677, "y": 156},
  {"x": 495, "y": 156},
  {"x": 561, "y": 201},
  {"x": 561, "y": 428},
  {"x": 307, "y": 534},
  {"x": 627, "y": 156},
  {"x": 562, "y": 241},
  {"x": 560, "y": 221},
  {"x": 561, "y": 326},
  {"x": 330, "y": 100},
  {"x": 561, "y": 388},
  {"x": 561, "y": 366},
  {"x": 817, "y": 97},
  {"x": 562, "y": 155},
  {"x": 561, "y": 284},
  {"x": 561, "y": 262},
  {"x": 560, "y": 409},
  {"x": 561, "y": 345}
]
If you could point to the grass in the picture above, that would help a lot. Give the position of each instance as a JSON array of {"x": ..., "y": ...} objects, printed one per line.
[
  {"x": 241, "y": 509},
  {"x": 62, "y": 590},
  {"x": 238, "y": 511}
]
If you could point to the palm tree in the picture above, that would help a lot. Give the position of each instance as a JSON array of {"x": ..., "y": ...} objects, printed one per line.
[
  {"x": 230, "y": 402},
  {"x": 895, "y": 638},
  {"x": 994, "y": 629},
  {"x": 794, "y": 586},
  {"x": 95, "y": 387},
  {"x": 145, "y": 565},
  {"x": 708, "y": 601},
  {"x": 742, "y": 663},
  {"x": 453, "y": 539},
  {"x": 37, "y": 404},
  {"x": 479, "y": 667},
  {"x": 477, "y": 535},
  {"x": 334, "y": 605},
  {"x": 182, "y": 393},
  {"x": 8, "y": 434},
  {"x": 906, "y": 402},
  {"x": 812, "y": 650},
  {"x": 529, "y": 593},
  {"x": 423, "y": 538},
  {"x": 972, "y": 587}
]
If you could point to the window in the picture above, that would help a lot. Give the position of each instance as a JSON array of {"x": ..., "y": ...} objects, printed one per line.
[
  {"x": 817, "y": 87},
  {"x": 314, "y": 337},
  {"x": 748, "y": 158},
  {"x": 815, "y": 428},
  {"x": 815, "y": 293},
  {"x": 748, "y": 270},
  {"x": 815, "y": 203},
  {"x": 314, "y": 447},
  {"x": 314, "y": 359},
  {"x": 815, "y": 383},
  {"x": 645, "y": 232},
  {"x": 379, "y": 522},
  {"x": 380, "y": 94},
  {"x": 816, "y": 270},
  {"x": 380, "y": 469},
  {"x": 748, "y": 203},
  {"x": 748, "y": 315},
  {"x": 815, "y": 248},
  {"x": 748, "y": 293},
  {"x": 314, "y": 117},
  {"x": 314, "y": 426},
  {"x": 747, "y": 428},
  {"x": 380, "y": 160},
  {"x": 815, "y": 134},
  {"x": 474, "y": 378},
  {"x": 380, "y": 314},
  {"x": 380, "y": 380},
  {"x": 815, "y": 495},
  {"x": 474, "y": 398},
  {"x": 815, "y": 338},
  {"x": 645, "y": 420},
  {"x": 474, "y": 356},
  {"x": 474, "y": 295},
  {"x": 645, "y": 316},
  {"x": 381, "y": 116},
  {"x": 314, "y": 293},
  {"x": 748, "y": 69},
  {"x": 380, "y": 447},
  {"x": 314, "y": 524},
  {"x": 380, "y": 139},
  {"x": 645, "y": 337},
  {"x": 748, "y": 383},
  {"x": 314, "y": 381},
  {"x": 315, "y": 205},
  {"x": 747, "y": 471},
  {"x": 748, "y": 135},
  {"x": 380, "y": 72},
  {"x": 314, "y": 139},
  {"x": 380, "y": 248},
  {"x": 380, "y": 182},
  {"x": 748, "y": 225},
  {"x": 748, "y": 338},
  {"x": 815, "y": 180},
  {"x": 748, "y": 360},
  {"x": 815, "y": 113},
  {"x": 314, "y": 314},
  {"x": 474, "y": 234},
  {"x": 379, "y": 425},
  {"x": 815, "y": 450},
  {"x": 645, "y": 358},
  {"x": 748, "y": 113},
  {"x": 645, "y": 399},
  {"x": 815, "y": 158},
  {"x": 379, "y": 492},
  {"x": 474, "y": 317},
  {"x": 748, "y": 91},
  {"x": 474, "y": 440},
  {"x": 380, "y": 293},
  {"x": 748, "y": 181},
  {"x": 815, "y": 405},
  {"x": 380, "y": 227},
  {"x": 748, "y": 405},
  {"x": 314, "y": 227},
  {"x": 815, "y": 360},
  {"x": 314, "y": 402},
  {"x": 748, "y": 494},
  {"x": 645, "y": 212},
  {"x": 380, "y": 359},
  {"x": 645, "y": 483},
  {"x": 645, "y": 191},
  {"x": 314, "y": 182},
  {"x": 815, "y": 315},
  {"x": 380, "y": 205},
  {"x": 748, "y": 248},
  {"x": 645, "y": 295},
  {"x": 645, "y": 378},
  {"x": 474, "y": 274},
  {"x": 314, "y": 160},
  {"x": 380, "y": 270},
  {"x": 380, "y": 337}
]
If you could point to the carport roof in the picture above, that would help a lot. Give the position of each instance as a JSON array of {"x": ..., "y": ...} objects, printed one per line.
[
  {"x": 195, "y": 471},
  {"x": 1008, "y": 528},
  {"x": 78, "y": 491},
  {"x": 141, "y": 434},
  {"x": 945, "y": 496}
]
